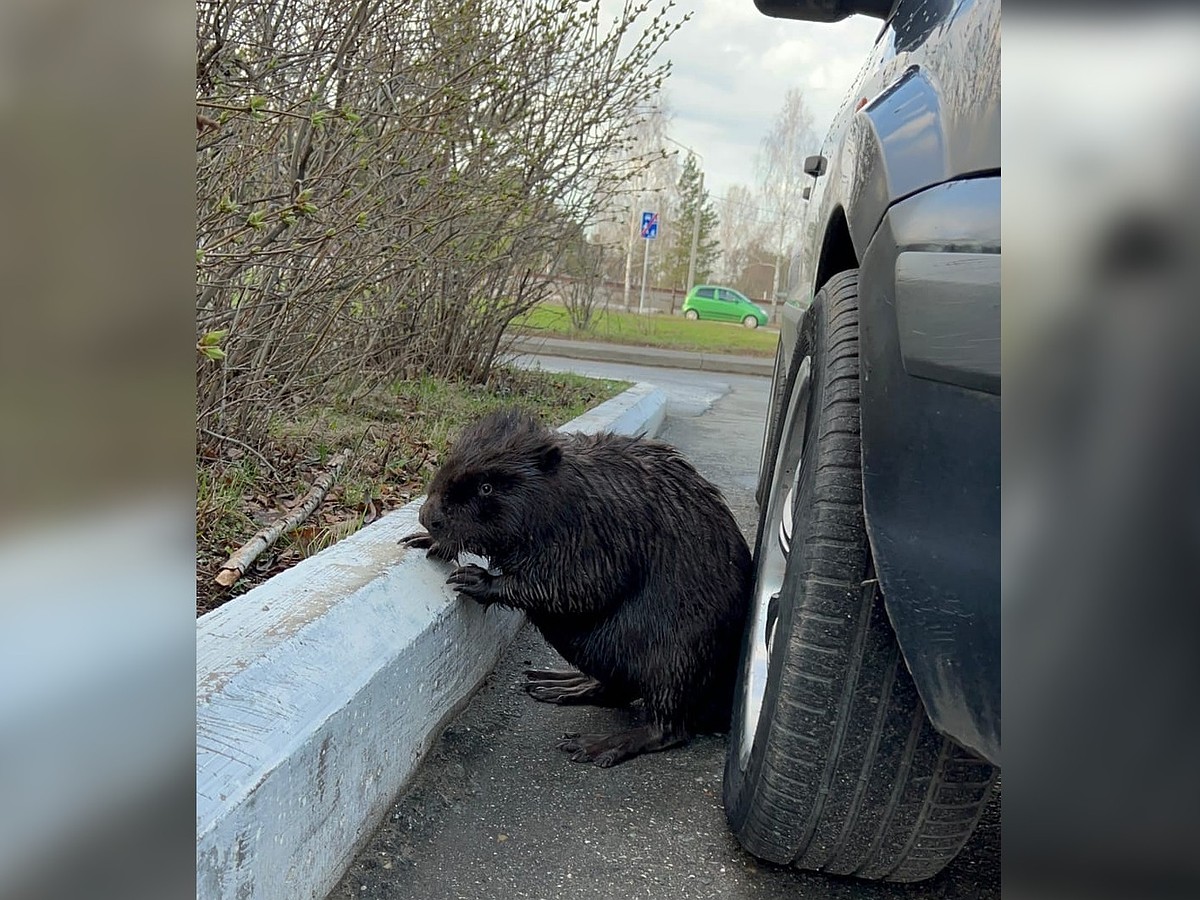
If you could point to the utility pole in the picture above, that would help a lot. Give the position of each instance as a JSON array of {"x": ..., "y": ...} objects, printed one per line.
[
  {"x": 633, "y": 218},
  {"x": 775, "y": 296},
  {"x": 782, "y": 249},
  {"x": 645, "y": 269},
  {"x": 695, "y": 233},
  {"x": 774, "y": 288},
  {"x": 695, "y": 214}
]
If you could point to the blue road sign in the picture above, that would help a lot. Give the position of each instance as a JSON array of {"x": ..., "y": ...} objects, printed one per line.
[{"x": 649, "y": 225}]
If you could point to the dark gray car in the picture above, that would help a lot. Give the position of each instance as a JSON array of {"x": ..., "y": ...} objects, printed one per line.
[{"x": 866, "y": 740}]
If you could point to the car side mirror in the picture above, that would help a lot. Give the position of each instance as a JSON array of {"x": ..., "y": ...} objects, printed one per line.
[
  {"x": 814, "y": 166},
  {"x": 823, "y": 10}
]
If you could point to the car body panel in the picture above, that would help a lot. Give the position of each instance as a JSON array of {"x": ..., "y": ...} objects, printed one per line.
[
  {"x": 931, "y": 456},
  {"x": 948, "y": 317},
  {"x": 911, "y": 181},
  {"x": 701, "y": 298}
]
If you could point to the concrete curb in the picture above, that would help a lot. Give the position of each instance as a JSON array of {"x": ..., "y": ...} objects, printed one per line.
[
  {"x": 319, "y": 691},
  {"x": 645, "y": 356}
]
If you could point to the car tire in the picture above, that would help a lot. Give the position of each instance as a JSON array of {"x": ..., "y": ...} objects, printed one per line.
[
  {"x": 750, "y": 322},
  {"x": 770, "y": 444},
  {"x": 691, "y": 314},
  {"x": 832, "y": 764}
]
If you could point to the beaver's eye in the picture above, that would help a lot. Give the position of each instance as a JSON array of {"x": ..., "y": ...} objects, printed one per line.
[{"x": 485, "y": 489}]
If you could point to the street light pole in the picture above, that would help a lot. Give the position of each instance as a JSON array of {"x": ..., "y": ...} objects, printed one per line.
[
  {"x": 633, "y": 212},
  {"x": 695, "y": 234},
  {"x": 695, "y": 214}
]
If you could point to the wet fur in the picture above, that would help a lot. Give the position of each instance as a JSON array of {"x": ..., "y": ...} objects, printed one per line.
[{"x": 623, "y": 556}]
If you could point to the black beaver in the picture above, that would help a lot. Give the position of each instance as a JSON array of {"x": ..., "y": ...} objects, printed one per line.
[{"x": 624, "y": 557}]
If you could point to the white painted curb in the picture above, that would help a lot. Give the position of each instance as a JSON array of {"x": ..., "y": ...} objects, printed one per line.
[{"x": 319, "y": 691}]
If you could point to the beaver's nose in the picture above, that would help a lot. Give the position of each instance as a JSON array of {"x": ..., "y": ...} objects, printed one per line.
[{"x": 431, "y": 516}]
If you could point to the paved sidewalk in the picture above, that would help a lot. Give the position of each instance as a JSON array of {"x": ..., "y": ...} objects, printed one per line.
[{"x": 645, "y": 356}]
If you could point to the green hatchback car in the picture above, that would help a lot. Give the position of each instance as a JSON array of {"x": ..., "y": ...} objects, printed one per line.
[{"x": 722, "y": 304}]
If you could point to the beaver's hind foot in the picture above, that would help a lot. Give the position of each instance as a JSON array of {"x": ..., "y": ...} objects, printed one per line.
[
  {"x": 568, "y": 687},
  {"x": 606, "y": 750}
]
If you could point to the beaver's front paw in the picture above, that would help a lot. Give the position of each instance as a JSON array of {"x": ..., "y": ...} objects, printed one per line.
[
  {"x": 475, "y": 582},
  {"x": 424, "y": 541}
]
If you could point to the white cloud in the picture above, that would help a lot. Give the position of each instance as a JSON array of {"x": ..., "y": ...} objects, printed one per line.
[
  {"x": 731, "y": 68},
  {"x": 791, "y": 56}
]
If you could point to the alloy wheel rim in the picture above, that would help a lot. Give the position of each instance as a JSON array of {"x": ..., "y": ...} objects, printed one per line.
[{"x": 771, "y": 565}]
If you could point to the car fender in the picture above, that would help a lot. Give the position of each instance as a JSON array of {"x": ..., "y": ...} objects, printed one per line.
[
  {"x": 930, "y": 121},
  {"x": 913, "y": 119},
  {"x": 893, "y": 148},
  {"x": 929, "y": 350}
]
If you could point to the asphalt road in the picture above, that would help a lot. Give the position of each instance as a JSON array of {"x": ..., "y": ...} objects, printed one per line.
[{"x": 497, "y": 812}]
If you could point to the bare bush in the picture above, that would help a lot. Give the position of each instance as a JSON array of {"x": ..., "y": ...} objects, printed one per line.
[
  {"x": 384, "y": 185},
  {"x": 579, "y": 284}
]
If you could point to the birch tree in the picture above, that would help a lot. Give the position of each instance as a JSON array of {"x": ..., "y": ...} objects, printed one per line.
[
  {"x": 781, "y": 178},
  {"x": 740, "y": 227}
]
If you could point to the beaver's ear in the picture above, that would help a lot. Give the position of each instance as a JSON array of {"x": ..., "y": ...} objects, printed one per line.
[{"x": 548, "y": 457}]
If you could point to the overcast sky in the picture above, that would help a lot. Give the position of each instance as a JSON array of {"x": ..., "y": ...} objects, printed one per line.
[{"x": 732, "y": 66}]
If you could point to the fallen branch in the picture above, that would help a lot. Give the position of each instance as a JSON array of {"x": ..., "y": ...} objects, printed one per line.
[{"x": 239, "y": 561}]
